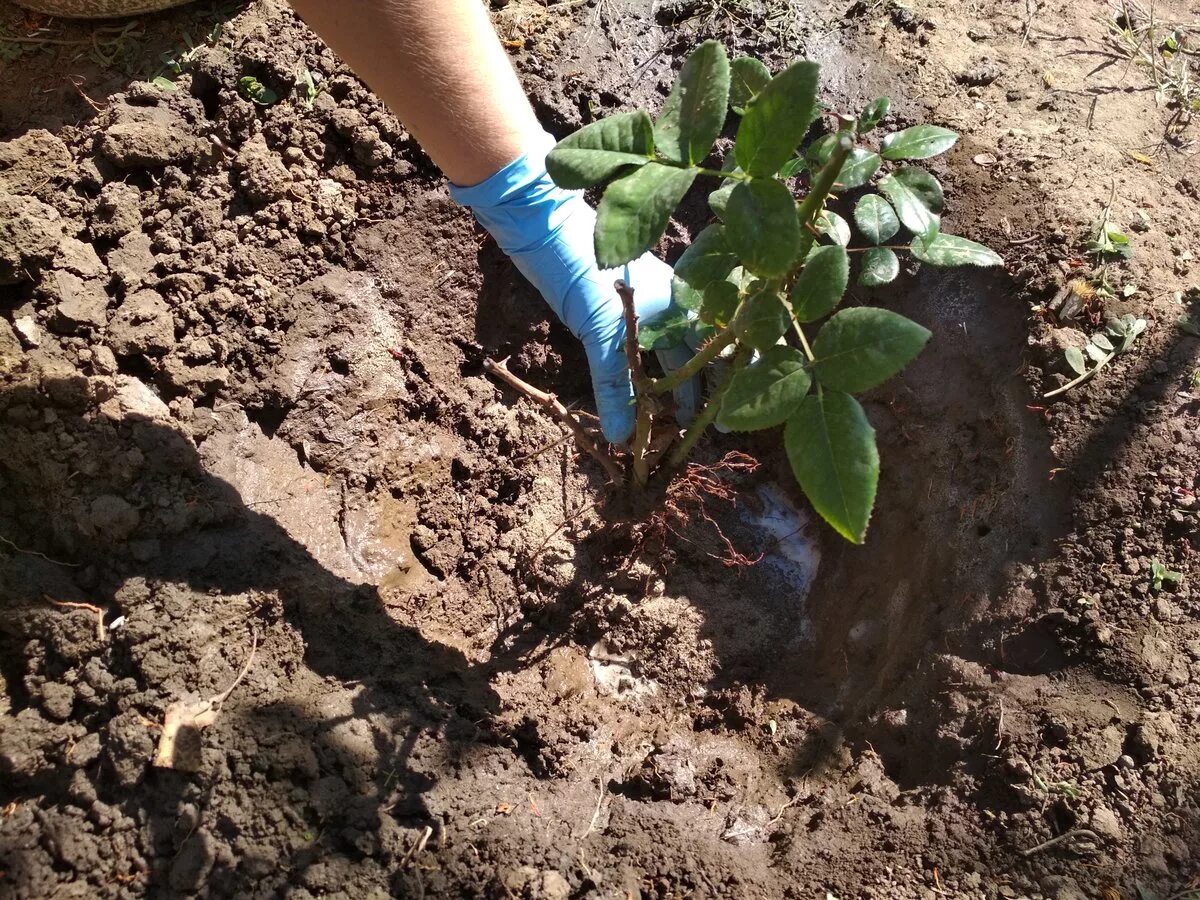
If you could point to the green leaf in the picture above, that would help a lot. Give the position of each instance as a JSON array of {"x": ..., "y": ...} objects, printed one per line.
[
  {"x": 916, "y": 216},
  {"x": 1075, "y": 360},
  {"x": 164, "y": 84},
  {"x": 684, "y": 295},
  {"x": 747, "y": 76},
  {"x": 765, "y": 319},
  {"x": 874, "y": 113},
  {"x": 663, "y": 331},
  {"x": 821, "y": 283},
  {"x": 720, "y": 303},
  {"x": 694, "y": 112},
  {"x": 952, "y": 250},
  {"x": 1101, "y": 340},
  {"x": 598, "y": 151},
  {"x": 763, "y": 228},
  {"x": 918, "y": 142},
  {"x": 821, "y": 150},
  {"x": 860, "y": 348},
  {"x": 831, "y": 447},
  {"x": 718, "y": 200},
  {"x": 834, "y": 227},
  {"x": 793, "y": 167},
  {"x": 777, "y": 118},
  {"x": 707, "y": 259},
  {"x": 1095, "y": 353},
  {"x": 766, "y": 392},
  {"x": 876, "y": 219},
  {"x": 860, "y": 165},
  {"x": 923, "y": 185},
  {"x": 879, "y": 267},
  {"x": 634, "y": 211}
]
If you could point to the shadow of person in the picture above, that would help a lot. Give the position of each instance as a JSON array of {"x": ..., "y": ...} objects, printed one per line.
[{"x": 325, "y": 751}]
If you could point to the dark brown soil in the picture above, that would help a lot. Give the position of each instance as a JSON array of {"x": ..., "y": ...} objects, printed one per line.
[{"x": 242, "y": 404}]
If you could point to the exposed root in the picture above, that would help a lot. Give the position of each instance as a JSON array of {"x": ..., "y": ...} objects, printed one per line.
[
  {"x": 554, "y": 407},
  {"x": 687, "y": 497},
  {"x": 93, "y": 609}
]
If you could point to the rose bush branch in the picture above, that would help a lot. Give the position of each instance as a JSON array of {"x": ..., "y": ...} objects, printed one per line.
[{"x": 774, "y": 261}]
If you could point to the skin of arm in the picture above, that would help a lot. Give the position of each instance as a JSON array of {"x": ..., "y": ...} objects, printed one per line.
[{"x": 441, "y": 69}]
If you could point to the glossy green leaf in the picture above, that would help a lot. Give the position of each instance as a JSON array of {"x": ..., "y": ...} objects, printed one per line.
[
  {"x": 777, "y": 119},
  {"x": 720, "y": 303},
  {"x": 860, "y": 348},
  {"x": 874, "y": 113},
  {"x": 821, "y": 283},
  {"x": 918, "y": 142},
  {"x": 598, "y": 151},
  {"x": 880, "y": 266},
  {"x": 718, "y": 200},
  {"x": 766, "y": 392},
  {"x": 684, "y": 295},
  {"x": 634, "y": 212},
  {"x": 916, "y": 216},
  {"x": 707, "y": 259},
  {"x": 694, "y": 112},
  {"x": 747, "y": 76},
  {"x": 831, "y": 448},
  {"x": 665, "y": 330},
  {"x": 951, "y": 250},
  {"x": 923, "y": 185},
  {"x": 765, "y": 319},
  {"x": 821, "y": 150},
  {"x": 763, "y": 229},
  {"x": 859, "y": 167},
  {"x": 793, "y": 167},
  {"x": 834, "y": 227},
  {"x": 875, "y": 218}
]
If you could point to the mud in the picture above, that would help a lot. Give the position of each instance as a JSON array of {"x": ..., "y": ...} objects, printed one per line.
[{"x": 243, "y": 403}]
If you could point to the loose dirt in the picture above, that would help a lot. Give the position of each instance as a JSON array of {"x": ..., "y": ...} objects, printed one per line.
[{"x": 243, "y": 405}]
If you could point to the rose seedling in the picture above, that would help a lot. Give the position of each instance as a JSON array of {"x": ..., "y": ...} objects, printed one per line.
[{"x": 762, "y": 286}]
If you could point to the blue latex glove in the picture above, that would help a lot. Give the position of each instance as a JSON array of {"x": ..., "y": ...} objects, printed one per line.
[{"x": 548, "y": 234}]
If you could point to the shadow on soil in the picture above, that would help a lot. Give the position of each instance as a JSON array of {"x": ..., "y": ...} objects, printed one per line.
[{"x": 407, "y": 684}]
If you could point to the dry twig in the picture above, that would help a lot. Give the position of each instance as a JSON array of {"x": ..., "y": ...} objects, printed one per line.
[{"x": 553, "y": 405}]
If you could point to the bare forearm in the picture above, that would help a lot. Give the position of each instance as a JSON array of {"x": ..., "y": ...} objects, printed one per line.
[{"x": 441, "y": 69}]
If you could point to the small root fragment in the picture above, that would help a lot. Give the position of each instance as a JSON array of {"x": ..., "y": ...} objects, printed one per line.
[
  {"x": 101, "y": 632},
  {"x": 179, "y": 745},
  {"x": 1065, "y": 836}
]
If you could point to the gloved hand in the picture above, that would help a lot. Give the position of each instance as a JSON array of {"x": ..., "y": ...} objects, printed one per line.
[{"x": 548, "y": 234}]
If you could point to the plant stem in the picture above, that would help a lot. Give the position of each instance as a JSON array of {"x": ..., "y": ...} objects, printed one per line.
[
  {"x": 643, "y": 396},
  {"x": 553, "y": 406},
  {"x": 803, "y": 341},
  {"x": 696, "y": 364},
  {"x": 1086, "y": 376},
  {"x": 680, "y": 453},
  {"x": 812, "y": 205}
]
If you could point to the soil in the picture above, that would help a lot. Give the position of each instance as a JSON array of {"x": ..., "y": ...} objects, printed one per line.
[{"x": 245, "y": 419}]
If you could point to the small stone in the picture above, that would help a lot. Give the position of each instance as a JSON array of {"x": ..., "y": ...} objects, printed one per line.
[
  {"x": 142, "y": 326},
  {"x": 80, "y": 258},
  {"x": 27, "y": 330},
  {"x": 1105, "y": 823},
  {"x": 28, "y": 162},
  {"x": 79, "y": 304},
  {"x": 981, "y": 74},
  {"x": 1142, "y": 743},
  {"x": 58, "y": 700},
  {"x": 139, "y": 145},
  {"x": 132, "y": 262},
  {"x": 104, "y": 361}
]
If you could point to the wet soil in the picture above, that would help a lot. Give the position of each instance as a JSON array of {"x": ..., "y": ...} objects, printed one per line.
[{"x": 243, "y": 411}]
